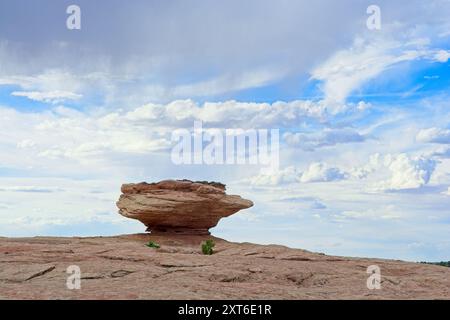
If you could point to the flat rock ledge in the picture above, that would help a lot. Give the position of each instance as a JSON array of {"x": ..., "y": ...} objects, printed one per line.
[
  {"x": 123, "y": 267},
  {"x": 179, "y": 206}
]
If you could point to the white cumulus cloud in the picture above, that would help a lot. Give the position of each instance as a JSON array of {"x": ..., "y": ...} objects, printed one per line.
[
  {"x": 53, "y": 97},
  {"x": 275, "y": 178},
  {"x": 388, "y": 212},
  {"x": 316, "y": 172},
  {"x": 447, "y": 192},
  {"x": 321, "y": 172},
  {"x": 406, "y": 172},
  {"x": 328, "y": 137},
  {"x": 32, "y": 189},
  {"x": 434, "y": 135},
  {"x": 442, "y": 56}
]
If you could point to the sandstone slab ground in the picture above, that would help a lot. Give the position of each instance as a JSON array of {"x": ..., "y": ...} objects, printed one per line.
[{"x": 122, "y": 267}]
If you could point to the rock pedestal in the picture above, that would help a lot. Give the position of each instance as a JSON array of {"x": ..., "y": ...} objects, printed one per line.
[{"x": 179, "y": 206}]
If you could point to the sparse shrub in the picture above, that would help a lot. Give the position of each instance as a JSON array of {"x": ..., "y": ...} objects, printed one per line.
[
  {"x": 154, "y": 245},
  {"x": 442, "y": 263},
  {"x": 207, "y": 247}
]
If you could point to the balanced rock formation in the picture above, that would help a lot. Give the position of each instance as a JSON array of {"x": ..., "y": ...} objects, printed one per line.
[{"x": 179, "y": 206}]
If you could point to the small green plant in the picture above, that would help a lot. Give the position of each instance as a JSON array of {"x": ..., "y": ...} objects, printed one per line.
[
  {"x": 207, "y": 247},
  {"x": 152, "y": 244}
]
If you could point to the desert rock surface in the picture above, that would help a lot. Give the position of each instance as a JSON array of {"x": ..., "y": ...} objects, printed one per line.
[
  {"x": 123, "y": 267},
  {"x": 179, "y": 206}
]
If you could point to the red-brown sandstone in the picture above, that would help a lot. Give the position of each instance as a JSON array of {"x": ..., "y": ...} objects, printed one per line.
[
  {"x": 179, "y": 206},
  {"x": 123, "y": 267}
]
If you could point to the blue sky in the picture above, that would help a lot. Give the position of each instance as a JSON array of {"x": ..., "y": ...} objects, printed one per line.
[{"x": 364, "y": 117}]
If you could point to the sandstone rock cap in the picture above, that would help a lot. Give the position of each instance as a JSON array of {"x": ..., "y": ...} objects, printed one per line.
[{"x": 179, "y": 206}]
